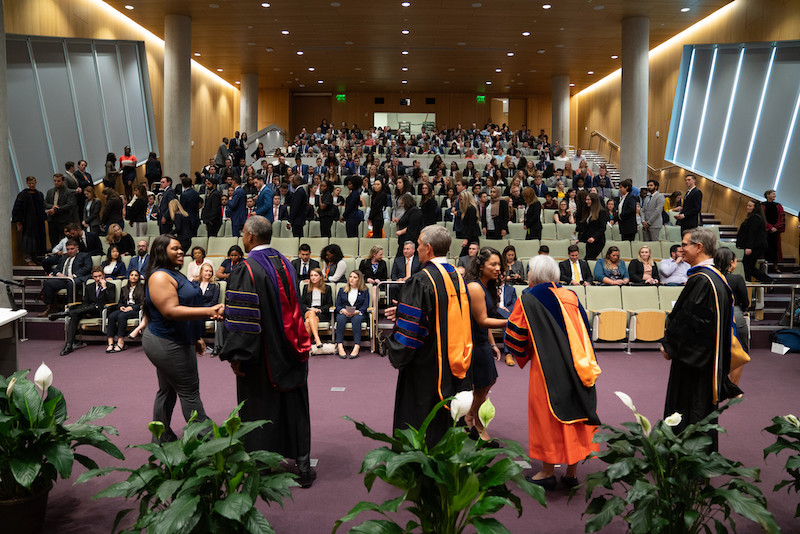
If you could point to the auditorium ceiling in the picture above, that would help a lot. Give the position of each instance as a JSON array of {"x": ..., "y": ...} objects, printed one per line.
[{"x": 483, "y": 46}]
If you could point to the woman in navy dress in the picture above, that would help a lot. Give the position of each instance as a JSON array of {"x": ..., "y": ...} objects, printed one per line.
[{"x": 482, "y": 286}]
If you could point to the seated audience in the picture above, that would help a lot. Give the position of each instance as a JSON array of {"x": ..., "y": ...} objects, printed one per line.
[
  {"x": 122, "y": 240},
  {"x": 513, "y": 269},
  {"x": 373, "y": 267},
  {"x": 303, "y": 264},
  {"x": 198, "y": 260},
  {"x": 643, "y": 269},
  {"x": 674, "y": 270},
  {"x": 95, "y": 298},
  {"x": 575, "y": 271},
  {"x": 235, "y": 256},
  {"x": 113, "y": 267},
  {"x": 131, "y": 297},
  {"x": 318, "y": 299},
  {"x": 612, "y": 270},
  {"x": 351, "y": 307},
  {"x": 335, "y": 268}
]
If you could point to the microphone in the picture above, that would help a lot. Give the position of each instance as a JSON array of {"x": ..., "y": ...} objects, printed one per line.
[{"x": 11, "y": 283}]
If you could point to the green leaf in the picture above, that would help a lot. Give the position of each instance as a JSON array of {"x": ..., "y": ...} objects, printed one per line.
[
  {"x": 620, "y": 469},
  {"x": 377, "y": 526},
  {"x": 412, "y": 457},
  {"x": 640, "y": 488},
  {"x": 367, "y": 432},
  {"x": 167, "y": 489},
  {"x": 256, "y": 523},
  {"x": 534, "y": 491},
  {"x": 92, "y": 473},
  {"x": 611, "y": 508},
  {"x": 234, "y": 506},
  {"x": 489, "y": 505},
  {"x": 210, "y": 448},
  {"x": 377, "y": 456},
  {"x": 95, "y": 413},
  {"x": 489, "y": 525},
  {"x": 750, "y": 508},
  {"x": 61, "y": 456},
  {"x": 499, "y": 473},
  {"x": 177, "y": 516},
  {"x": 363, "y": 506},
  {"x": 468, "y": 492},
  {"x": 26, "y": 399},
  {"x": 25, "y": 471}
]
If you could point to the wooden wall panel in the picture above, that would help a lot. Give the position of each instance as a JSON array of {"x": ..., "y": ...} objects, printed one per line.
[
  {"x": 517, "y": 112},
  {"x": 213, "y": 116},
  {"x": 308, "y": 112},
  {"x": 273, "y": 108}
]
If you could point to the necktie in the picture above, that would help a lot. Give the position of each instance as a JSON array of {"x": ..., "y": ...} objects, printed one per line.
[
  {"x": 97, "y": 292},
  {"x": 68, "y": 267},
  {"x": 576, "y": 272},
  {"x": 408, "y": 267},
  {"x": 55, "y": 198},
  {"x": 304, "y": 270}
]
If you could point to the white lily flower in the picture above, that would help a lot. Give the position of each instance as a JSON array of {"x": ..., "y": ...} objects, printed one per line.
[
  {"x": 43, "y": 378},
  {"x": 460, "y": 405},
  {"x": 10, "y": 388},
  {"x": 626, "y": 400},
  {"x": 674, "y": 419},
  {"x": 644, "y": 422},
  {"x": 486, "y": 412},
  {"x": 792, "y": 419}
]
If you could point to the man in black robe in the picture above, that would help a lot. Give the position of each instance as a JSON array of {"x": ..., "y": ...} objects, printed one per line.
[
  {"x": 268, "y": 347},
  {"x": 29, "y": 215},
  {"x": 431, "y": 345},
  {"x": 698, "y": 337}
]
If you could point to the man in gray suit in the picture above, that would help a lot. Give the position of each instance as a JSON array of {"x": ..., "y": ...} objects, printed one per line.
[
  {"x": 652, "y": 209},
  {"x": 222, "y": 153},
  {"x": 61, "y": 208}
]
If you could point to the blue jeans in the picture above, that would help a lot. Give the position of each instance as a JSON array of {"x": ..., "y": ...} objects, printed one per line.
[{"x": 341, "y": 323}]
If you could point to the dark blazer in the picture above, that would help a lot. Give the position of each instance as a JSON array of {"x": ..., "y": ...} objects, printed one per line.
[
  {"x": 120, "y": 271},
  {"x": 412, "y": 221},
  {"x": 362, "y": 301},
  {"x": 541, "y": 189},
  {"x": 138, "y": 296},
  {"x": 237, "y": 210},
  {"x": 210, "y": 295},
  {"x": 509, "y": 299},
  {"x": 112, "y": 213},
  {"x": 470, "y": 230},
  {"x": 431, "y": 212},
  {"x": 93, "y": 246},
  {"x": 212, "y": 208},
  {"x": 190, "y": 200},
  {"x": 67, "y": 206},
  {"x": 565, "y": 267},
  {"x": 139, "y": 264},
  {"x": 327, "y": 298},
  {"x": 366, "y": 269},
  {"x": 636, "y": 271},
  {"x": 399, "y": 267},
  {"x": 692, "y": 204},
  {"x": 377, "y": 204},
  {"x": 163, "y": 206},
  {"x": 297, "y": 207},
  {"x": 501, "y": 221},
  {"x": 752, "y": 234},
  {"x": 125, "y": 245},
  {"x": 312, "y": 264},
  {"x": 351, "y": 205},
  {"x": 595, "y": 229},
  {"x": 93, "y": 217},
  {"x": 627, "y": 215},
  {"x": 136, "y": 211},
  {"x": 94, "y": 301},
  {"x": 81, "y": 267},
  {"x": 533, "y": 220}
]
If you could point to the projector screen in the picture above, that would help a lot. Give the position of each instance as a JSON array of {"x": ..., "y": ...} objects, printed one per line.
[{"x": 735, "y": 115}]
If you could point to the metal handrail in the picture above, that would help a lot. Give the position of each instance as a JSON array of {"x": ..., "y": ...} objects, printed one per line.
[
  {"x": 376, "y": 305},
  {"x": 40, "y": 277}
]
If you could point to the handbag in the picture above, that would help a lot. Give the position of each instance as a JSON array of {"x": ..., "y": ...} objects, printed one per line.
[{"x": 738, "y": 355}]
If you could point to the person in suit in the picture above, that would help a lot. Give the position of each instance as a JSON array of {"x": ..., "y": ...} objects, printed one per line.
[
  {"x": 627, "y": 211},
  {"x": 237, "y": 207},
  {"x": 88, "y": 242},
  {"x": 689, "y": 216},
  {"x": 113, "y": 266},
  {"x": 373, "y": 267},
  {"x": 300, "y": 169},
  {"x": 222, "y": 153},
  {"x": 94, "y": 300},
  {"x": 60, "y": 207},
  {"x": 318, "y": 300},
  {"x": 652, "y": 210},
  {"x": 303, "y": 265},
  {"x": 352, "y": 215},
  {"x": 409, "y": 225},
  {"x": 190, "y": 200},
  {"x": 73, "y": 265},
  {"x": 575, "y": 271},
  {"x": 407, "y": 264},
  {"x": 135, "y": 211},
  {"x": 592, "y": 229},
  {"x": 140, "y": 260},
  {"x": 538, "y": 186},
  {"x": 505, "y": 303},
  {"x": 297, "y": 208},
  {"x": 264, "y": 198},
  {"x": 167, "y": 194},
  {"x": 279, "y": 212},
  {"x": 327, "y": 211},
  {"x": 212, "y": 208},
  {"x": 643, "y": 270},
  {"x": 131, "y": 297},
  {"x": 354, "y": 297},
  {"x": 319, "y": 168}
]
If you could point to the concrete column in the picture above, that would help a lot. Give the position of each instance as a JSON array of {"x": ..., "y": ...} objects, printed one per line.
[
  {"x": 248, "y": 104},
  {"x": 177, "y": 95},
  {"x": 635, "y": 88},
  {"x": 560, "y": 131}
]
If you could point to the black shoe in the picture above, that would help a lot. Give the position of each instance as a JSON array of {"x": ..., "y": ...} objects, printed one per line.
[
  {"x": 307, "y": 477},
  {"x": 66, "y": 350},
  {"x": 570, "y": 482},
  {"x": 59, "y": 315},
  {"x": 548, "y": 483},
  {"x": 215, "y": 351}
]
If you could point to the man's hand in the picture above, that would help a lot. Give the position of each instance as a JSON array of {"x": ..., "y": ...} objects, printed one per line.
[
  {"x": 391, "y": 313},
  {"x": 236, "y": 366},
  {"x": 200, "y": 347},
  {"x": 103, "y": 283},
  {"x": 664, "y": 353},
  {"x": 19, "y": 227},
  {"x": 217, "y": 312},
  {"x": 163, "y": 220}
]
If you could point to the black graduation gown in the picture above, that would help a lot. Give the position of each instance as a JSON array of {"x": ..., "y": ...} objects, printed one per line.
[
  {"x": 413, "y": 352},
  {"x": 693, "y": 332},
  {"x": 29, "y": 210},
  {"x": 275, "y": 383}
]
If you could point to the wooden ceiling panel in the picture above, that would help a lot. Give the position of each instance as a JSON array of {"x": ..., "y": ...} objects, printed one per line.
[{"x": 451, "y": 44}]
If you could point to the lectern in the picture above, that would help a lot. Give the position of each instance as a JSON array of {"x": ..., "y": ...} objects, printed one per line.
[{"x": 8, "y": 339}]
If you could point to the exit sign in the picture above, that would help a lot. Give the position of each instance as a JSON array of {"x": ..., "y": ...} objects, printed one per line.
[
  {"x": 481, "y": 99},
  {"x": 341, "y": 98}
]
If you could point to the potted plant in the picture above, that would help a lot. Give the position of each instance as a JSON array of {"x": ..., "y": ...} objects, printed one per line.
[
  {"x": 37, "y": 447},
  {"x": 662, "y": 482},
  {"x": 203, "y": 483},
  {"x": 456, "y": 483},
  {"x": 787, "y": 430}
]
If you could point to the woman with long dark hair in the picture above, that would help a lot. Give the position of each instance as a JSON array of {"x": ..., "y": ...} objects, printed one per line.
[
  {"x": 152, "y": 170},
  {"x": 378, "y": 202},
  {"x": 135, "y": 211},
  {"x": 533, "y": 214},
  {"x": 470, "y": 229},
  {"x": 113, "y": 267},
  {"x": 352, "y": 215},
  {"x": 131, "y": 297},
  {"x": 725, "y": 262},
  {"x": 752, "y": 237},
  {"x": 410, "y": 224},
  {"x": 175, "y": 314},
  {"x": 481, "y": 281},
  {"x": 112, "y": 212},
  {"x": 428, "y": 205},
  {"x": 327, "y": 211},
  {"x": 318, "y": 298},
  {"x": 110, "y": 178},
  {"x": 592, "y": 229}
]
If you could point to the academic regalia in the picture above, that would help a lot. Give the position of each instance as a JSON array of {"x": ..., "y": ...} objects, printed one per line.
[
  {"x": 29, "y": 210},
  {"x": 265, "y": 331},
  {"x": 431, "y": 346},
  {"x": 697, "y": 339},
  {"x": 562, "y": 401}
]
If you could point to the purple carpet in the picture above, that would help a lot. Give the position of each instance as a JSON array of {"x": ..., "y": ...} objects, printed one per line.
[{"x": 89, "y": 377}]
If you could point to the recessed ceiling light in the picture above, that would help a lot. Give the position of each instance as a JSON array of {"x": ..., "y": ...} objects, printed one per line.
[
  {"x": 213, "y": 6},
  {"x": 265, "y": 4},
  {"x": 559, "y": 45},
  {"x": 462, "y": 43},
  {"x": 532, "y": 70},
  {"x": 541, "y": 51},
  {"x": 197, "y": 54},
  {"x": 546, "y": 6},
  {"x": 572, "y": 85},
  {"x": 299, "y": 52},
  {"x": 237, "y": 82},
  {"x": 358, "y": 68},
  {"x": 251, "y": 44},
  {"x": 488, "y": 82},
  {"x": 451, "y": 69},
  {"x": 335, "y": 4},
  {"x": 510, "y": 54},
  {"x": 498, "y": 70},
  {"x": 319, "y": 81},
  {"x": 276, "y": 69},
  {"x": 311, "y": 69},
  {"x": 590, "y": 72},
  {"x": 128, "y": 7},
  {"x": 285, "y": 32},
  {"x": 362, "y": 81},
  {"x": 599, "y": 8},
  {"x": 405, "y": 4},
  {"x": 446, "y": 81},
  {"x": 615, "y": 56},
  {"x": 302, "y": 85},
  {"x": 405, "y": 32},
  {"x": 684, "y": 9},
  {"x": 348, "y": 43},
  {"x": 404, "y": 69},
  {"x": 404, "y": 81},
  {"x": 477, "y": 4},
  {"x": 268, "y": 49},
  {"x": 508, "y": 87},
  {"x": 526, "y": 34},
  {"x": 219, "y": 70},
  {"x": 404, "y": 52}
]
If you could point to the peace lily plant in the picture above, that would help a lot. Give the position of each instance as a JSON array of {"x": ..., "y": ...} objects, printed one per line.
[
  {"x": 662, "y": 482},
  {"x": 36, "y": 444},
  {"x": 787, "y": 430},
  {"x": 456, "y": 483}
]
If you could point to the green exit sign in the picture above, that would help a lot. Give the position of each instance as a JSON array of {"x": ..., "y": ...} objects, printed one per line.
[
  {"x": 341, "y": 98},
  {"x": 481, "y": 99}
]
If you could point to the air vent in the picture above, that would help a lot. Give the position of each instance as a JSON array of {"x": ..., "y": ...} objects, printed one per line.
[
  {"x": 379, "y": 100},
  {"x": 430, "y": 101},
  {"x": 404, "y": 101}
]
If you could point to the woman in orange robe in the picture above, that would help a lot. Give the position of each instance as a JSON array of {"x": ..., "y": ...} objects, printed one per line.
[{"x": 549, "y": 328}]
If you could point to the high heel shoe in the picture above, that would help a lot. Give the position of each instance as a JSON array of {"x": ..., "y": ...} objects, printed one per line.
[
  {"x": 354, "y": 354},
  {"x": 342, "y": 353},
  {"x": 549, "y": 483},
  {"x": 570, "y": 482}
]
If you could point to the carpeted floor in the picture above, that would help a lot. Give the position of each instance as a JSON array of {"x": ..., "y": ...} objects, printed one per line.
[{"x": 89, "y": 377}]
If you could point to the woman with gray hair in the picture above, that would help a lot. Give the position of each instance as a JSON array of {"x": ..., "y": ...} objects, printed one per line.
[{"x": 562, "y": 401}]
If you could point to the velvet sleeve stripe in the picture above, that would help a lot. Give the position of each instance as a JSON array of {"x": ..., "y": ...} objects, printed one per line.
[
  {"x": 522, "y": 333},
  {"x": 407, "y": 341},
  {"x": 243, "y": 313},
  {"x": 243, "y": 326},
  {"x": 514, "y": 347},
  {"x": 409, "y": 311},
  {"x": 244, "y": 298},
  {"x": 412, "y": 328}
]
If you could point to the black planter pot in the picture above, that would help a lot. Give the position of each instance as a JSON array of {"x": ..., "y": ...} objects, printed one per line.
[{"x": 25, "y": 515}]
